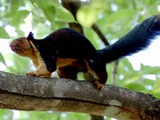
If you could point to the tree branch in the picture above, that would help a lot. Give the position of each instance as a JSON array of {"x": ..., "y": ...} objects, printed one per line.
[
  {"x": 100, "y": 34},
  {"x": 34, "y": 93}
]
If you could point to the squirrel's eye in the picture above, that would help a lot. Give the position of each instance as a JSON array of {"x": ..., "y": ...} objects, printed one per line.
[{"x": 20, "y": 39}]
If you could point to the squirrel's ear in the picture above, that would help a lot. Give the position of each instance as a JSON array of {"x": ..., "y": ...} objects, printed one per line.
[{"x": 30, "y": 36}]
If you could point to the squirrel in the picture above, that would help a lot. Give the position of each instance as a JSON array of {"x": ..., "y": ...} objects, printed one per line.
[{"x": 69, "y": 52}]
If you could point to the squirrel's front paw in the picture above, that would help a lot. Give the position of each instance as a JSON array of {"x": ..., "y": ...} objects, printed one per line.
[
  {"x": 39, "y": 74},
  {"x": 32, "y": 74},
  {"x": 98, "y": 85}
]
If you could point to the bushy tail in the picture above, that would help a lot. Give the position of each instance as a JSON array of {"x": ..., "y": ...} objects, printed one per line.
[{"x": 137, "y": 39}]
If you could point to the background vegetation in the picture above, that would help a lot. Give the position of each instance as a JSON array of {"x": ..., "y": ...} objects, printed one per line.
[{"x": 114, "y": 17}]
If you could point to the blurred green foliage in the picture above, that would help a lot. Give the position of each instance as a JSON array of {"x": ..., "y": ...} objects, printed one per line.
[{"x": 114, "y": 17}]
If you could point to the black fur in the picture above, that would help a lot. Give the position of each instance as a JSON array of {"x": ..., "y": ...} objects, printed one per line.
[
  {"x": 30, "y": 36},
  {"x": 49, "y": 56},
  {"x": 137, "y": 39}
]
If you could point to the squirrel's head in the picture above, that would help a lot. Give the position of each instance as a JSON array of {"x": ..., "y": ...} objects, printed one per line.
[{"x": 22, "y": 45}]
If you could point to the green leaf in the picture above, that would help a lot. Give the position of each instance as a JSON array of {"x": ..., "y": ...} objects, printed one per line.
[
  {"x": 12, "y": 8},
  {"x": 87, "y": 16},
  {"x": 49, "y": 13},
  {"x": 2, "y": 59},
  {"x": 56, "y": 3},
  {"x": 75, "y": 116},
  {"x": 19, "y": 17},
  {"x": 64, "y": 15},
  {"x": 4, "y": 34},
  {"x": 6, "y": 114},
  {"x": 135, "y": 87},
  {"x": 150, "y": 70},
  {"x": 121, "y": 14},
  {"x": 21, "y": 64},
  {"x": 48, "y": 9},
  {"x": 36, "y": 116}
]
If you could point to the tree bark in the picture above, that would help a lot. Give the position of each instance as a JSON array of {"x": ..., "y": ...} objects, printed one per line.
[{"x": 33, "y": 93}]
